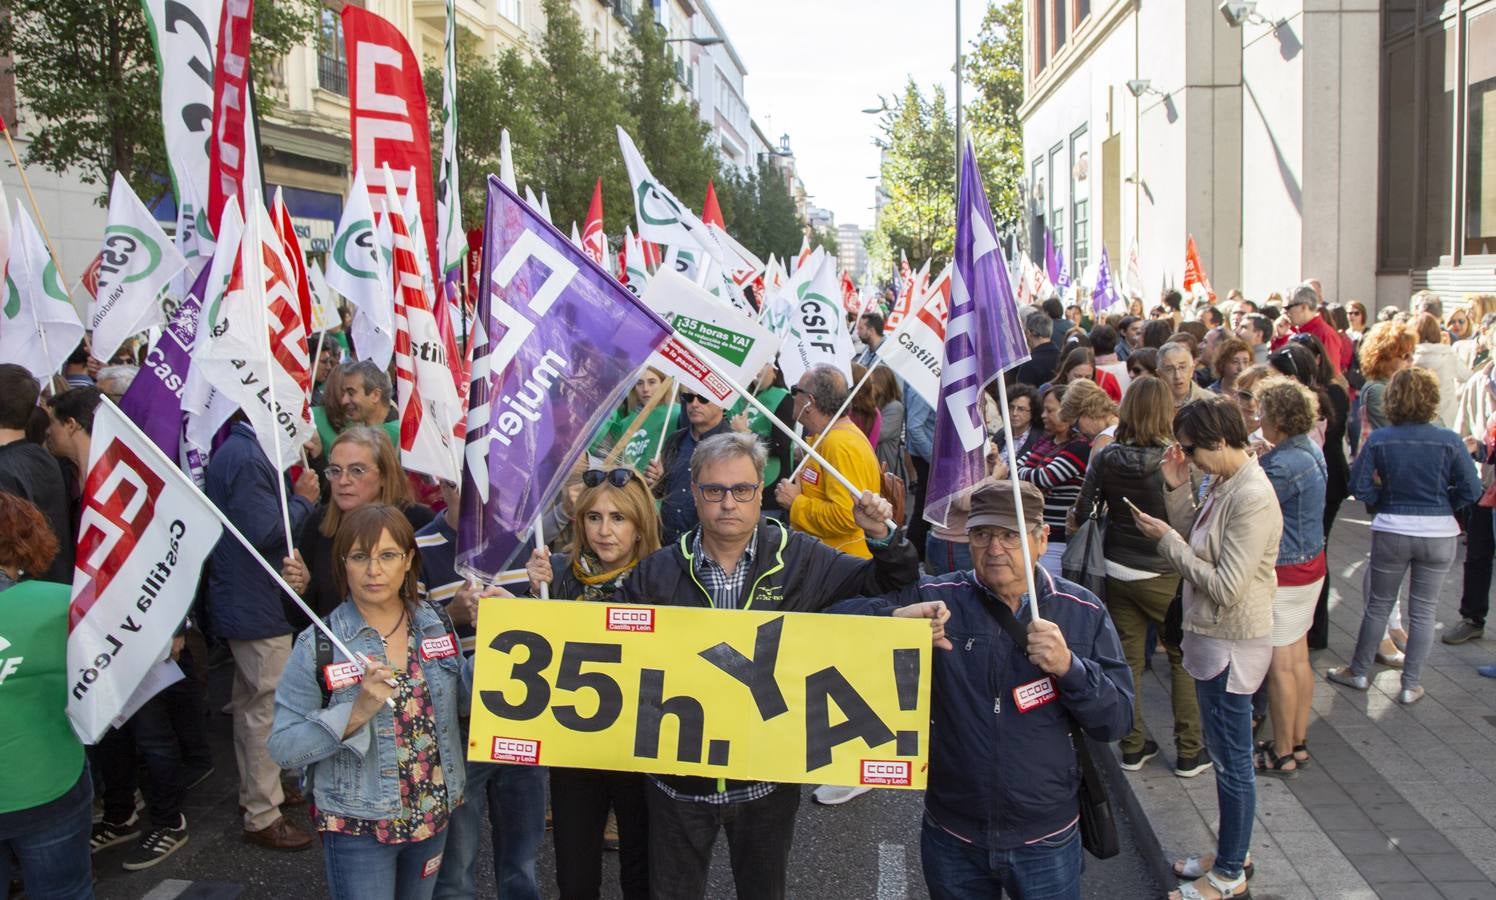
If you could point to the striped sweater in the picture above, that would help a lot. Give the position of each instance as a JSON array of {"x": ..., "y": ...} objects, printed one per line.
[{"x": 1058, "y": 471}]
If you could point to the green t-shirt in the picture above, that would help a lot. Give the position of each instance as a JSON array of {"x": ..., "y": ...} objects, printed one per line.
[
  {"x": 43, "y": 757},
  {"x": 760, "y": 425},
  {"x": 642, "y": 443},
  {"x": 325, "y": 432}
]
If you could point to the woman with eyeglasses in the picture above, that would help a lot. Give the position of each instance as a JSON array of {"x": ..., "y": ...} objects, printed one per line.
[
  {"x": 362, "y": 468},
  {"x": 1142, "y": 361},
  {"x": 616, "y": 526},
  {"x": 379, "y": 734},
  {"x": 1226, "y": 550},
  {"x": 1057, "y": 467}
]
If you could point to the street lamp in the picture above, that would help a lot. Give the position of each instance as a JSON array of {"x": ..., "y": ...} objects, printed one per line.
[
  {"x": 698, "y": 41},
  {"x": 880, "y": 109}
]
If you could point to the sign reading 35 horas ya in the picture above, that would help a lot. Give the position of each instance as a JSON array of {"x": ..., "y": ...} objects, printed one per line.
[{"x": 791, "y": 697}]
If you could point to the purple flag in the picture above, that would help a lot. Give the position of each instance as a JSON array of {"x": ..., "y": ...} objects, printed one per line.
[
  {"x": 557, "y": 342},
  {"x": 154, "y": 399},
  {"x": 1051, "y": 259},
  {"x": 1063, "y": 281},
  {"x": 1104, "y": 295},
  {"x": 983, "y": 339}
]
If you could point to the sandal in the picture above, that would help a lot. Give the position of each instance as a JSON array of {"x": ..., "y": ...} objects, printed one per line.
[
  {"x": 1226, "y": 890},
  {"x": 1192, "y": 868},
  {"x": 1301, "y": 760},
  {"x": 1270, "y": 764}
]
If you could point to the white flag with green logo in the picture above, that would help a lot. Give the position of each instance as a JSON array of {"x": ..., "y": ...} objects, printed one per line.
[
  {"x": 355, "y": 270},
  {"x": 662, "y": 218},
  {"x": 136, "y": 262},
  {"x": 817, "y": 330},
  {"x": 635, "y": 269},
  {"x": 711, "y": 338},
  {"x": 39, "y": 328}
]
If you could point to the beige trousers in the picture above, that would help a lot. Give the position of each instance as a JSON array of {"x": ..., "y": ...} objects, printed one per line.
[{"x": 257, "y": 670}]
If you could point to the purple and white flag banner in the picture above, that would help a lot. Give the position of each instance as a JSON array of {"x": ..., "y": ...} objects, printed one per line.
[
  {"x": 557, "y": 343},
  {"x": 983, "y": 339},
  {"x": 154, "y": 399}
]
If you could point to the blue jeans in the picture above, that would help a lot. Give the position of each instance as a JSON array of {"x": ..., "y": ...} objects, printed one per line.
[
  {"x": 942, "y": 556},
  {"x": 1226, "y": 719},
  {"x": 361, "y": 868},
  {"x": 51, "y": 843},
  {"x": 956, "y": 870},
  {"x": 514, "y": 799}
]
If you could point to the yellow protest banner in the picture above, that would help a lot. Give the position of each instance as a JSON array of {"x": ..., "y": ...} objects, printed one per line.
[{"x": 742, "y": 694}]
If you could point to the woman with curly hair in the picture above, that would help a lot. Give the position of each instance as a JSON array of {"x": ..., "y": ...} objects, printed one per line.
[
  {"x": 1386, "y": 350},
  {"x": 1413, "y": 475},
  {"x": 46, "y": 797},
  {"x": 1232, "y": 357}
]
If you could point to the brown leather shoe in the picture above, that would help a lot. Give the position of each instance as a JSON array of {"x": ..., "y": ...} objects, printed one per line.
[
  {"x": 293, "y": 795},
  {"x": 279, "y": 835}
]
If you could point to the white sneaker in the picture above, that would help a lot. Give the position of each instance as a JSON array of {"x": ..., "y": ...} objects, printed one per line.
[{"x": 836, "y": 795}]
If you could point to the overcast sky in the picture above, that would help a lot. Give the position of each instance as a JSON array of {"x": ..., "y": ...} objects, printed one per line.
[{"x": 813, "y": 65}]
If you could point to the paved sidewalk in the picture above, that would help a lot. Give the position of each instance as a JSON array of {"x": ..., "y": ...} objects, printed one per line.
[{"x": 1397, "y": 803}]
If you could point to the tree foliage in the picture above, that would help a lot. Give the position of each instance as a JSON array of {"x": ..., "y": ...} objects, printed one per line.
[
  {"x": 86, "y": 71},
  {"x": 919, "y": 176},
  {"x": 995, "y": 69}
]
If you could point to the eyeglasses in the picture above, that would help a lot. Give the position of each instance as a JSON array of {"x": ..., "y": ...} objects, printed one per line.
[
  {"x": 1189, "y": 450},
  {"x": 687, "y": 398},
  {"x": 981, "y": 538},
  {"x": 1355, "y": 312},
  {"x": 797, "y": 391},
  {"x": 355, "y": 471},
  {"x": 741, "y": 493},
  {"x": 616, "y": 477},
  {"x": 1180, "y": 369},
  {"x": 384, "y": 561}
]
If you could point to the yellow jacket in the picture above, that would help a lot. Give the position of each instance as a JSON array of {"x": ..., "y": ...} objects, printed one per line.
[{"x": 824, "y": 507}]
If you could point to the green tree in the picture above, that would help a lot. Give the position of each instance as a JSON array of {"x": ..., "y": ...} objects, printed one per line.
[
  {"x": 995, "y": 69},
  {"x": 918, "y": 177},
  {"x": 827, "y": 239},
  {"x": 86, "y": 69}
]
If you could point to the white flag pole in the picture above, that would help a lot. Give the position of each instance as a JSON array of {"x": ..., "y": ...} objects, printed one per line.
[
  {"x": 254, "y": 275},
  {"x": 837, "y": 415},
  {"x": 174, "y": 471},
  {"x": 1023, "y": 537},
  {"x": 316, "y": 361},
  {"x": 539, "y": 533},
  {"x": 665, "y": 428}
]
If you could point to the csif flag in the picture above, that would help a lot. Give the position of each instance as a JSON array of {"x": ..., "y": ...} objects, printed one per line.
[
  {"x": 817, "y": 332},
  {"x": 355, "y": 270},
  {"x": 662, "y": 218},
  {"x": 557, "y": 343},
  {"x": 135, "y": 264},
  {"x": 142, "y": 541},
  {"x": 983, "y": 339},
  {"x": 185, "y": 35},
  {"x": 39, "y": 327}
]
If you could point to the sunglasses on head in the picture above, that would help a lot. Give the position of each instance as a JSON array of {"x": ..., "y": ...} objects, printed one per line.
[
  {"x": 616, "y": 477},
  {"x": 687, "y": 398}
]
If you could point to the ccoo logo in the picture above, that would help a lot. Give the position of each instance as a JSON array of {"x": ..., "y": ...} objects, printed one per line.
[{"x": 119, "y": 502}]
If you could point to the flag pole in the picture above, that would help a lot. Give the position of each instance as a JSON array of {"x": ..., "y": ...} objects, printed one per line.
[
  {"x": 165, "y": 465},
  {"x": 316, "y": 361},
  {"x": 539, "y": 534},
  {"x": 665, "y": 429},
  {"x": 837, "y": 415},
  {"x": 255, "y": 276},
  {"x": 26, "y": 182},
  {"x": 639, "y": 417},
  {"x": 1023, "y": 536}
]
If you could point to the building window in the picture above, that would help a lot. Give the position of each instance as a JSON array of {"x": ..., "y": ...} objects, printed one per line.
[
  {"x": 1059, "y": 184},
  {"x": 1438, "y": 179},
  {"x": 1058, "y": 17},
  {"x": 332, "y": 63},
  {"x": 1041, "y": 35},
  {"x": 509, "y": 9},
  {"x": 1080, "y": 201}
]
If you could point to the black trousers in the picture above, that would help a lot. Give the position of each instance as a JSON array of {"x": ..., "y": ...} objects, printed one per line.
[
  {"x": 918, "y": 529},
  {"x": 580, "y": 800},
  {"x": 759, "y": 834},
  {"x": 1480, "y": 544}
]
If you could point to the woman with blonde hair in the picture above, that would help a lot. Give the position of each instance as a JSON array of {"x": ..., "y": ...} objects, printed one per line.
[
  {"x": 362, "y": 469},
  {"x": 616, "y": 526},
  {"x": 1093, "y": 412},
  {"x": 1299, "y": 474}
]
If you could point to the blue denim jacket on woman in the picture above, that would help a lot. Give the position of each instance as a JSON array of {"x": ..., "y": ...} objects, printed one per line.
[
  {"x": 358, "y": 777},
  {"x": 1425, "y": 470},
  {"x": 1297, "y": 469}
]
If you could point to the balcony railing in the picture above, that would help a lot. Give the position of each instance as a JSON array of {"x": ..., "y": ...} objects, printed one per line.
[{"x": 332, "y": 74}]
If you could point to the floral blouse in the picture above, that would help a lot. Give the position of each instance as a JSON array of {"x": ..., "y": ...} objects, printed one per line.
[{"x": 423, "y": 790}]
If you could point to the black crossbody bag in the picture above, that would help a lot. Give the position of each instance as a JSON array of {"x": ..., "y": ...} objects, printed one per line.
[{"x": 1098, "y": 827}]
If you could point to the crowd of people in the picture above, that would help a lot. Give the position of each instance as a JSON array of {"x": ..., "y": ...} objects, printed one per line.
[{"x": 1172, "y": 478}]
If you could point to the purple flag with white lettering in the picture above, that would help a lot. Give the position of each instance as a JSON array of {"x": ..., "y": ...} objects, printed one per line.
[
  {"x": 983, "y": 339},
  {"x": 154, "y": 399},
  {"x": 1051, "y": 258},
  {"x": 1104, "y": 296},
  {"x": 557, "y": 342}
]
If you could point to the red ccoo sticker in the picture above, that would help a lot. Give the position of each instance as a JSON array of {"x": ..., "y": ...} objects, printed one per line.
[
  {"x": 631, "y": 618},
  {"x": 885, "y": 771},
  {"x": 516, "y": 750},
  {"x": 340, "y": 675}
]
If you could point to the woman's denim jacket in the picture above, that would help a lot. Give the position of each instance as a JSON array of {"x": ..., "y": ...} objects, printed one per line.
[
  {"x": 1297, "y": 470},
  {"x": 1424, "y": 470},
  {"x": 358, "y": 777}
]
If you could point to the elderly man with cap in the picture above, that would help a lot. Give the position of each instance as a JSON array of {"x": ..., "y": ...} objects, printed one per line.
[{"x": 1001, "y": 809}]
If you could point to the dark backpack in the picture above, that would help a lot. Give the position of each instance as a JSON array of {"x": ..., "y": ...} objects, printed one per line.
[{"x": 324, "y": 649}]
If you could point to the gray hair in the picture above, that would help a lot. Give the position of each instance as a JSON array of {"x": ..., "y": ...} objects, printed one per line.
[
  {"x": 1426, "y": 301},
  {"x": 729, "y": 445},
  {"x": 1175, "y": 347},
  {"x": 375, "y": 378},
  {"x": 1038, "y": 324},
  {"x": 113, "y": 381},
  {"x": 1303, "y": 293},
  {"x": 827, "y": 387}
]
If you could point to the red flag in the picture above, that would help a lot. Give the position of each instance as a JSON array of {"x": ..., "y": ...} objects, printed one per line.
[
  {"x": 711, "y": 213},
  {"x": 594, "y": 243},
  {"x": 387, "y": 112},
  {"x": 1195, "y": 279},
  {"x": 850, "y": 301},
  {"x": 232, "y": 154},
  {"x": 474, "y": 266},
  {"x": 281, "y": 217}
]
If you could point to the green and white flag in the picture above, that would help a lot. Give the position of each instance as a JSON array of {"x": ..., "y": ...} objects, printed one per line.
[
  {"x": 39, "y": 328},
  {"x": 662, "y": 218},
  {"x": 355, "y": 270},
  {"x": 324, "y": 301},
  {"x": 451, "y": 242},
  {"x": 709, "y": 339},
  {"x": 635, "y": 269},
  {"x": 817, "y": 330},
  {"x": 136, "y": 262},
  {"x": 185, "y": 35}
]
